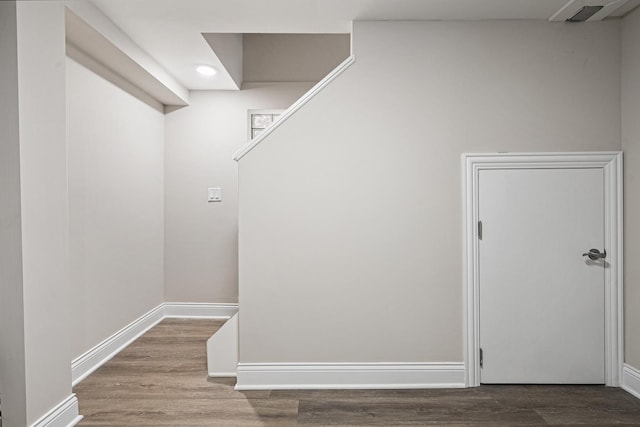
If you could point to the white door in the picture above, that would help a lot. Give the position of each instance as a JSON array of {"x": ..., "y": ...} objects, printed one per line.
[{"x": 541, "y": 301}]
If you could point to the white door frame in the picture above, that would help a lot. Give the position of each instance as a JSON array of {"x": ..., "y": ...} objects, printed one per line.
[{"x": 611, "y": 164}]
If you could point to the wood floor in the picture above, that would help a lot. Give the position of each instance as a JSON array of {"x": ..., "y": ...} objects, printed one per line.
[{"x": 161, "y": 380}]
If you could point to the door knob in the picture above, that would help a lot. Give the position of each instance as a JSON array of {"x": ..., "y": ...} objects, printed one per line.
[{"x": 595, "y": 254}]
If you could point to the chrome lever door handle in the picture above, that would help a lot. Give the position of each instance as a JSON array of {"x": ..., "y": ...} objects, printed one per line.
[{"x": 595, "y": 254}]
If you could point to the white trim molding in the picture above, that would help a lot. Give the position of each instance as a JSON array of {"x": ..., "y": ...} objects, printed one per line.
[
  {"x": 611, "y": 164},
  {"x": 199, "y": 310},
  {"x": 296, "y": 106},
  {"x": 283, "y": 376},
  {"x": 631, "y": 380},
  {"x": 97, "y": 356},
  {"x": 65, "y": 414}
]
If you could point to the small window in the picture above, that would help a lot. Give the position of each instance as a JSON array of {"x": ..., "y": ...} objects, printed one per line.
[{"x": 260, "y": 120}]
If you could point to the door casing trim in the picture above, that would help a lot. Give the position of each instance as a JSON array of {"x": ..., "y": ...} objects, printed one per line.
[{"x": 611, "y": 164}]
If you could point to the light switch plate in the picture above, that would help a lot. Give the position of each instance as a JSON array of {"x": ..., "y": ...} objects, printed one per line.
[{"x": 215, "y": 195}]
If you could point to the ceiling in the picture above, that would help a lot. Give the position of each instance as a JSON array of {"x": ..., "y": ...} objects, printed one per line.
[{"x": 171, "y": 30}]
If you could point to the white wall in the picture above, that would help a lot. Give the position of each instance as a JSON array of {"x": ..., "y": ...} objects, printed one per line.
[
  {"x": 201, "y": 238},
  {"x": 292, "y": 57},
  {"x": 44, "y": 206},
  {"x": 116, "y": 211},
  {"x": 350, "y": 213},
  {"x": 631, "y": 147},
  {"x": 12, "y": 366},
  {"x": 228, "y": 49}
]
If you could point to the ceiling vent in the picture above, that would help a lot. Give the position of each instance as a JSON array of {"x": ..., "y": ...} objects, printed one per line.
[
  {"x": 585, "y": 13},
  {"x": 592, "y": 10}
]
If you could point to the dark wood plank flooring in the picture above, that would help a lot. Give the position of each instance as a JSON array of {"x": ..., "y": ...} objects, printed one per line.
[{"x": 161, "y": 380}]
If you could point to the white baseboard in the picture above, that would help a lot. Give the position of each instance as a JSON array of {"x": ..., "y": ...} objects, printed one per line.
[
  {"x": 65, "y": 414},
  {"x": 631, "y": 380},
  {"x": 199, "y": 310},
  {"x": 278, "y": 376},
  {"x": 85, "y": 364}
]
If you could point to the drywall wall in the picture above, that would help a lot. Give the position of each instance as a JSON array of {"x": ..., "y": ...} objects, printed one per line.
[
  {"x": 351, "y": 212},
  {"x": 44, "y": 205},
  {"x": 12, "y": 368},
  {"x": 292, "y": 57},
  {"x": 201, "y": 238},
  {"x": 228, "y": 49},
  {"x": 111, "y": 46},
  {"x": 116, "y": 211},
  {"x": 631, "y": 148}
]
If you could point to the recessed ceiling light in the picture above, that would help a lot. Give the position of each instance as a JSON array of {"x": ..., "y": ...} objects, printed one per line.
[{"x": 206, "y": 70}]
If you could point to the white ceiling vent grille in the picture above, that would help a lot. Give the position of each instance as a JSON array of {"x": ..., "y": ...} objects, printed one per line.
[
  {"x": 591, "y": 10},
  {"x": 585, "y": 13}
]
